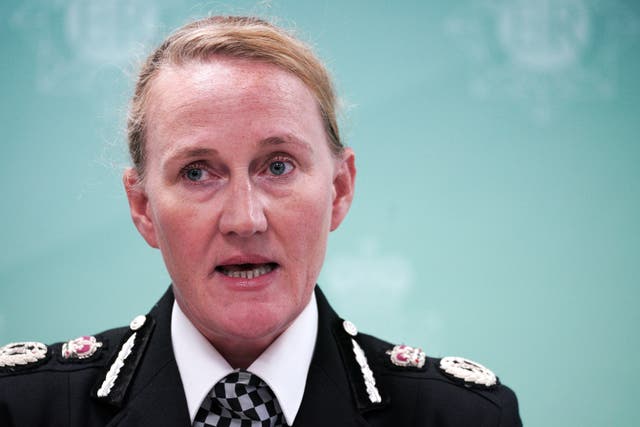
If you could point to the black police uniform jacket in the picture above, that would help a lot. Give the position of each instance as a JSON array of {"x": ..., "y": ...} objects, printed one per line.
[{"x": 148, "y": 391}]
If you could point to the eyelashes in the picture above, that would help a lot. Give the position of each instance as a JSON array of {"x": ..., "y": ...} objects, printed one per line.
[
  {"x": 278, "y": 166},
  {"x": 195, "y": 172}
]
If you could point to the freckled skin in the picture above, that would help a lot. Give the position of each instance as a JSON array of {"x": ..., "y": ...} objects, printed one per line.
[{"x": 216, "y": 116}]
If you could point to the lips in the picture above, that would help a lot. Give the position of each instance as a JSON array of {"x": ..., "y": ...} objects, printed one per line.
[{"x": 246, "y": 270}]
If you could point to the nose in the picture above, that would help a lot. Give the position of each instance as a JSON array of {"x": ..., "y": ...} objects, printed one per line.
[{"x": 243, "y": 210}]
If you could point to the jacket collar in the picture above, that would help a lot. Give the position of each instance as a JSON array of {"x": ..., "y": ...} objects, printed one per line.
[
  {"x": 155, "y": 396},
  {"x": 334, "y": 393}
]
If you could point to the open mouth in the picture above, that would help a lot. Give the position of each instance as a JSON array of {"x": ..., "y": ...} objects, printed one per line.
[{"x": 246, "y": 271}]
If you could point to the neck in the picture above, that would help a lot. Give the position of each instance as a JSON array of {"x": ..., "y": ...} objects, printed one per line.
[{"x": 240, "y": 354}]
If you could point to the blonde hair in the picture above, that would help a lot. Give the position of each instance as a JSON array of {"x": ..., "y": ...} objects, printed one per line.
[{"x": 238, "y": 37}]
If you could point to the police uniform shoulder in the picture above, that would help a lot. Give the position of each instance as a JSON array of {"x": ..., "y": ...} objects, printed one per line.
[
  {"x": 80, "y": 353},
  {"x": 400, "y": 363}
]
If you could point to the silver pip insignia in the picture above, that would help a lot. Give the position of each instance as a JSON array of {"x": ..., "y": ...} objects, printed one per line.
[
  {"x": 22, "y": 353},
  {"x": 80, "y": 348},
  {"x": 403, "y": 355}
]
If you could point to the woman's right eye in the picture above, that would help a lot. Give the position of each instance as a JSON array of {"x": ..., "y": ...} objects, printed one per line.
[{"x": 194, "y": 173}]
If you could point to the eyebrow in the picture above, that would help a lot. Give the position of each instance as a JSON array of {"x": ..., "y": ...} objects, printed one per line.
[
  {"x": 286, "y": 139},
  {"x": 191, "y": 152},
  {"x": 195, "y": 152}
]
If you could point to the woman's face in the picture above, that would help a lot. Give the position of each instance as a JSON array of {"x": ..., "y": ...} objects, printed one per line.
[{"x": 240, "y": 193}]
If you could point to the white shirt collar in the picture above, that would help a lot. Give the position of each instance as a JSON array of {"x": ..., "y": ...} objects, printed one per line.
[{"x": 283, "y": 365}]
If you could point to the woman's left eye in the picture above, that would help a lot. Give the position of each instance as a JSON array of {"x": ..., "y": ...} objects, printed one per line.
[
  {"x": 194, "y": 174},
  {"x": 280, "y": 167}
]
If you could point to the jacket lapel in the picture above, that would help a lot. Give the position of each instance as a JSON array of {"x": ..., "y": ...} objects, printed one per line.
[
  {"x": 156, "y": 395},
  {"x": 328, "y": 397}
]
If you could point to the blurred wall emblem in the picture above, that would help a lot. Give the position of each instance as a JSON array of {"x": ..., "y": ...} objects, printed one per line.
[
  {"x": 545, "y": 54},
  {"x": 80, "y": 348},
  {"x": 74, "y": 42},
  {"x": 109, "y": 31},
  {"x": 21, "y": 353},
  {"x": 545, "y": 34}
]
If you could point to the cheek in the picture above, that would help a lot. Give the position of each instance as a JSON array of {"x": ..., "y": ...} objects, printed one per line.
[
  {"x": 179, "y": 226},
  {"x": 306, "y": 224}
]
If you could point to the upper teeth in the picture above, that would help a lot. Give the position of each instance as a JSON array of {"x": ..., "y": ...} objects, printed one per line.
[{"x": 248, "y": 274}]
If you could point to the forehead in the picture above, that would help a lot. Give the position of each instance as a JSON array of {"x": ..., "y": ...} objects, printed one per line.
[{"x": 227, "y": 88}]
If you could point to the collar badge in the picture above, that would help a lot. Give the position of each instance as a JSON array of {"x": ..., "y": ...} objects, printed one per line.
[
  {"x": 405, "y": 356},
  {"x": 80, "y": 348}
]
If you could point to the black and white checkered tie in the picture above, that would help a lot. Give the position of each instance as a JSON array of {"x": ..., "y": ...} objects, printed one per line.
[{"x": 241, "y": 399}]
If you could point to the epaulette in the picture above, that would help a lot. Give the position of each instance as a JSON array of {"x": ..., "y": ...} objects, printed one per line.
[
  {"x": 32, "y": 356},
  {"x": 377, "y": 357},
  {"x": 458, "y": 370},
  {"x": 369, "y": 360}
]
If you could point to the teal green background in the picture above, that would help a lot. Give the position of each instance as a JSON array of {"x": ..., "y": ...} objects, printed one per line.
[{"x": 497, "y": 213}]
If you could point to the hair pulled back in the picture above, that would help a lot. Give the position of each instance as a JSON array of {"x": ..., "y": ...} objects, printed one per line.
[{"x": 238, "y": 37}]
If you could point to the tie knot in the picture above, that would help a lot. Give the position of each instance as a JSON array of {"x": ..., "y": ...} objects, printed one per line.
[
  {"x": 239, "y": 383},
  {"x": 241, "y": 399}
]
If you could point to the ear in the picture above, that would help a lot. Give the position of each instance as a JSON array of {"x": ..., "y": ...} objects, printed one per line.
[
  {"x": 343, "y": 187},
  {"x": 139, "y": 206}
]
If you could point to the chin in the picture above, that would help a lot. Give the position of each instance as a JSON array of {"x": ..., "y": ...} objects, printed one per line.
[{"x": 254, "y": 323}]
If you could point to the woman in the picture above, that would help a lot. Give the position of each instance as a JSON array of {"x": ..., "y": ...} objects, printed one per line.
[{"x": 238, "y": 176}]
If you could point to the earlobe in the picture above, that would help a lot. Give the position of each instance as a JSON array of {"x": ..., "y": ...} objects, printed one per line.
[
  {"x": 343, "y": 187},
  {"x": 139, "y": 206}
]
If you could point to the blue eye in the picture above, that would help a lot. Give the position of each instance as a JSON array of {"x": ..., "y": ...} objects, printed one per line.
[
  {"x": 277, "y": 168},
  {"x": 194, "y": 174},
  {"x": 280, "y": 167}
]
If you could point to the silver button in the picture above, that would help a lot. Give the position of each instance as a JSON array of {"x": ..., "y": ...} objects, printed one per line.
[
  {"x": 350, "y": 328},
  {"x": 138, "y": 322}
]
